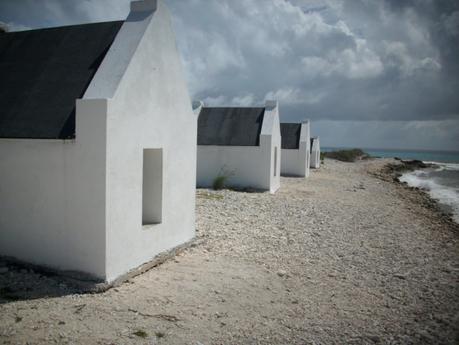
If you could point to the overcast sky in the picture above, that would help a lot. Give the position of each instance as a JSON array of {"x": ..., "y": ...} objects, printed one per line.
[{"x": 368, "y": 73}]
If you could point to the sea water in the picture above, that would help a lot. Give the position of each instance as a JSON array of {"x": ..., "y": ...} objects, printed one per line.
[
  {"x": 422, "y": 155},
  {"x": 441, "y": 182}
]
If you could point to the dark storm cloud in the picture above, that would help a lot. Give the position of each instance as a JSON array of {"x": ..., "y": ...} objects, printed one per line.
[
  {"x": 22, "y": 14},
  {"x": 380, "y": 61},
  {"x": 352, "y": 60},
  {"x": 418, "y": 44}
]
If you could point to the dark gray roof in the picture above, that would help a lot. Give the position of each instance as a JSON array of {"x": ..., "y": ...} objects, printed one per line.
[
  {"x": 43, "y": 72},
  {"x": 230, "y": 126},
  {"x": 290, "y": 133}
]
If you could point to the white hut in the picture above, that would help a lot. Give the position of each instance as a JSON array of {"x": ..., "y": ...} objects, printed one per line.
[
  {"x": 315, "y": 153},
  {"x": 97, "y": 144},
  {"x": 242, "y": 144},
  {"x": 295, "y": 149}
]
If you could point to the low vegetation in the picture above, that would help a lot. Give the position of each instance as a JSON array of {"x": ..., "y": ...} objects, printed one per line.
[
  {"x": 350, "y": 155},
  {"x": 322, "y": 157},
  {"x": 219, "y": 182},
  {"x": 3, "y": 27},
  {"x": 141, "y": 334}
]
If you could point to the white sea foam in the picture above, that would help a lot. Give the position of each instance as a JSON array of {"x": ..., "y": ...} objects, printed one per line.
[
  {"x": 447, "y": 195},
  {"x": 445, "y": 166}
]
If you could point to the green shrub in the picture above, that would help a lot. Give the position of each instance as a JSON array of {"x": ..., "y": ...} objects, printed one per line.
[
  {"x": 223, "y": 176},
  {"x": 351, "y": 155},
  {"x": 219, "y": 182},
  {"x": 141, "y": 333},
  {"x": 322, "y": 157}
]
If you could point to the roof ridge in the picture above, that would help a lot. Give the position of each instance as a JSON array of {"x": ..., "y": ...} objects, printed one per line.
[{"x": 62, "y": 27}]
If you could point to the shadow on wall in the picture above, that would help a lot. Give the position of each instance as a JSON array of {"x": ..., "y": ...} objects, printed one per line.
[{"x": 292, "y": 175}]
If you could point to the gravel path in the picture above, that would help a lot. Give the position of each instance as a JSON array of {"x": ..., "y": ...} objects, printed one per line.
[{"x": 339, "y": 258}]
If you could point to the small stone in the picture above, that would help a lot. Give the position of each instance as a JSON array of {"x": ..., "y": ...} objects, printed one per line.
[
  {"x": 281, "y": 273},
  {"x": 400, "y": 276},
  {"x": 375, "y": 339}
]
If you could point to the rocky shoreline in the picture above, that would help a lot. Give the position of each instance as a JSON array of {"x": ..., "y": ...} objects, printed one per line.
[
  {"x": 346, "y": 256},
  {"x": 392, "y": 170}
]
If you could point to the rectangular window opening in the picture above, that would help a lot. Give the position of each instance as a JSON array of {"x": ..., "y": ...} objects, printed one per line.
[
  {"x": 152, "y": 186},
  {"x": 275, "y": 161}
]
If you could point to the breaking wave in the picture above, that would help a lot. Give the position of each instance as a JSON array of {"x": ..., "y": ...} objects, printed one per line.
[{"x": 442, "y": 184}]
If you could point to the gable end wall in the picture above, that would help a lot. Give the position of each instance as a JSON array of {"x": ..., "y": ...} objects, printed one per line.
[{"x": 150, "y": 109}]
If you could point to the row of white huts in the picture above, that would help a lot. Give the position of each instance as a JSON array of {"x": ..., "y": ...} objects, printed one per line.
[
  {"x": 250, "y": 148},
  {"x": 98, "y": 154}
]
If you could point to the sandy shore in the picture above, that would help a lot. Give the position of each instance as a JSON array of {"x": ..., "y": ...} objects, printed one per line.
[{"x": 344, "y": 257}]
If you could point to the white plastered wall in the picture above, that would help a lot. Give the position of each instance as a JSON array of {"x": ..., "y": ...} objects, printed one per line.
[
  {"x": 270, "y": 134},
  {"x": 52, "y": 196},
  {"x": 149, "y": 108},
  {"x": 296, "y": 162},
  {"x": 247, "y": 166},
  {"x": 315, "y": 153},
  {"x": 77, "y": 204}
]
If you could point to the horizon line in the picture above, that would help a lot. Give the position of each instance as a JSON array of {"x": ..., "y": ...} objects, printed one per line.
[{"x": 393, "y": 149}]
